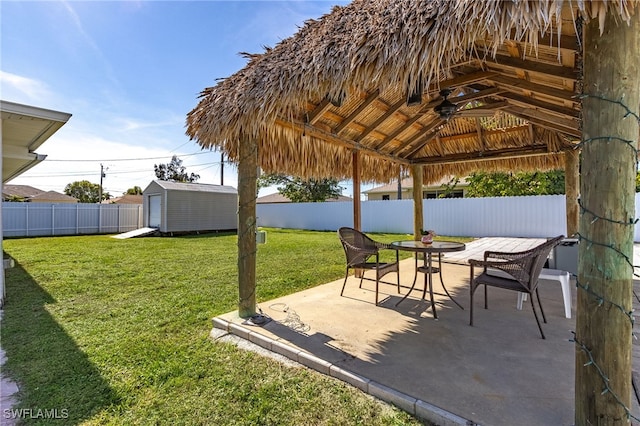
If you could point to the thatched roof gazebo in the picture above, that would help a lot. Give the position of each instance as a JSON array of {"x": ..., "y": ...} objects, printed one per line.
[{"x": 447, "y": 87}]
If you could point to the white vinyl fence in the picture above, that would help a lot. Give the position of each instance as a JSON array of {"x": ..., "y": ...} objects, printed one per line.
[
  {"x": 44, "y": 219},
  {"x": 532, "y": 217}
]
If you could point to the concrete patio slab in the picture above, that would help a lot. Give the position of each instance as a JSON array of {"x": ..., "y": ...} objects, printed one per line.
[{"x": 498, "y": 372}]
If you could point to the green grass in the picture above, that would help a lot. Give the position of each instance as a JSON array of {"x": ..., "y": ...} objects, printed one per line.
[{"x": 116, "y": 332}]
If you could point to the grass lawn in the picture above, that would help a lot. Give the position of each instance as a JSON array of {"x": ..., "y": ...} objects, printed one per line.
[{"x": 116, "y": 332}]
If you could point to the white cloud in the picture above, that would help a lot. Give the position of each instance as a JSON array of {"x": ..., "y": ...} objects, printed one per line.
[{"x": 22, "y": 89}]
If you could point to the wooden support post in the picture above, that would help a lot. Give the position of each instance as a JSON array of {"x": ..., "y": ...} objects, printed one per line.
[
  {"x": 607, "y": 193},
  {"x": 416, "y": 174},
  {"x": 247, "y": 192},
  {"x": 572, "y": 189},
  {"x": 357, "y": 212}
]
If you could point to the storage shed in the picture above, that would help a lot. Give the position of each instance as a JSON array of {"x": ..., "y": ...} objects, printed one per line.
[{"x": 189, "y": 207}]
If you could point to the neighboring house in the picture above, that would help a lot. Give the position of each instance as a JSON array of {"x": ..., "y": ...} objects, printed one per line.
[
  {"x": 30, "y": 194},
  {"x": 279, "y": 198},
  {"x": 434, "y": 190},
  {"x": 125, "y": 199},
  {"x": 189, "y": 207}
]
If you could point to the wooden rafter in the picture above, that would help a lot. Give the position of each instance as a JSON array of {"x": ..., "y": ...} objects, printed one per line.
[
  {"x": 555, "y": 71},
  {"x": 487, "y": 155},
  {"x": 392, "y": 109},
  {"x": 519, "y": 84},
  {"x": 349, "y": 119},
  {"x": 543, "y": 120},
  {"x": 334, "y": 139},
  {"x": 315, "y": 115}
]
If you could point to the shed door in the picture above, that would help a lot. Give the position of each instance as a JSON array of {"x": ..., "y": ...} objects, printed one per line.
[{"x": 154, "y": 211}]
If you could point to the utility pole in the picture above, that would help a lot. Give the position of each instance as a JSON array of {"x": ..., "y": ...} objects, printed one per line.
[
  {"x": 102, "y": 175},
  {"x": 222, "y": 169}
]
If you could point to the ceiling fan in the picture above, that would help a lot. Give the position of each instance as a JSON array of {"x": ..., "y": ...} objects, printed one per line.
[{"x": 446, "y": 108}]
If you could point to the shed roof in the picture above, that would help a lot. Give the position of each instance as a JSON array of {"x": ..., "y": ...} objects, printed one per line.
[
  {"x": 342, "y": 83},
  {"x": 195, "y": 187}
]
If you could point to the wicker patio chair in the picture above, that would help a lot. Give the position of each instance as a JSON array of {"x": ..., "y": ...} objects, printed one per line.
[
  {"x": 359, "y": 249},
  {"x": 518, "y": 271}
]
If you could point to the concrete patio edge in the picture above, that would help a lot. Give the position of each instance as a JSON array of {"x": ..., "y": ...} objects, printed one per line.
[{"x": 418, "y": 408}]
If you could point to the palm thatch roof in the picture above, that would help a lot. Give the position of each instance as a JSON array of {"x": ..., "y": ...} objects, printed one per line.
[{"x": 343, "y": 82}]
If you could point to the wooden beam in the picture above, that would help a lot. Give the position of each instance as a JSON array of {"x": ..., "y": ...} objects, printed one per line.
[
  {"x": 392, "y": 109},
  {"x": 485, "y": 132},
  {"x": 554, "y": 124},
  {"x": 462, "y": 80},
  {"x": 418, "y": 221},
  {"x": 487, "y": 109},
  {"x": 331, "y": 138},
  {"x": 465, "y": 157},
  {"x": 543, "y": 68},
  {"x": 349, "y": 119},
  {"x": 516, "y": 83},
  {"x": 604, "y": 323},
  {"x": 247, "y": 190},
  {"x": 532, "y": 102},
  {"x": 550, "y": 39},
  {"x": 316, "y": 114},
  {"x": 416, "y": 140},
  {"x": 357, "y": 213},
  {"x": 572, "y": 190}
]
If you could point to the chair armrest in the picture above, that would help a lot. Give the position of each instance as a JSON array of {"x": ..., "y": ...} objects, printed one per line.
[
  {"x": 363, "y": 250},
  {"x": 489, "y": 263},
  {"x": 506, "y": 256}
]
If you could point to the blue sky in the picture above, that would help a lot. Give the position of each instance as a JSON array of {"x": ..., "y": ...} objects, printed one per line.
[{"x": 129, "y": 72}]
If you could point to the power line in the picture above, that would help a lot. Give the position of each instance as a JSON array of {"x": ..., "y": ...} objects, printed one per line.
[{"x": 133, "y": 159}]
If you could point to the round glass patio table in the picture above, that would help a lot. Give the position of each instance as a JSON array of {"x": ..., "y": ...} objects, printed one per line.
[{"x": 427, "y": 250}]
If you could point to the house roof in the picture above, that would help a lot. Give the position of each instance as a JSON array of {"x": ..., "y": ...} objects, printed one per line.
[
  {"x": 125, "y": 199},
  {"x": 24, "y": 129},
  {"x": 279, "y": 198},
  {"x": 22, "y": 191},
  {"x": 342, "y": 84},
  {"x": 407, "y": 183},
  {"x": 194, "y": 187},
  {"x": 53, "y": 196}
]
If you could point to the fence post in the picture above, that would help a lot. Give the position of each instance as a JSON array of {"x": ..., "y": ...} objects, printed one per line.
[{"x": 53, "y": 219}]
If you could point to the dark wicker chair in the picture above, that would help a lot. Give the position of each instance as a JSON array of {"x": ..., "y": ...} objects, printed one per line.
[
  {"x": 512, "y": 271},
  {"x": 358, "y": 249}
]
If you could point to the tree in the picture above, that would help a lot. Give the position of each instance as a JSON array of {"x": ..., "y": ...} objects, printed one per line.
[
  {"x": 136, "y": 190},
  {"x": 174, "y": 171},
  {"x": 302, "y": 191},
  {"x": 501, "y": 184},
  {"x": 85, "y": 191}
]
